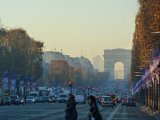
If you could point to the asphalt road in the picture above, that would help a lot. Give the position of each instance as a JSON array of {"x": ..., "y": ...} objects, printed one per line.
[{"x": 55, "y": 111}]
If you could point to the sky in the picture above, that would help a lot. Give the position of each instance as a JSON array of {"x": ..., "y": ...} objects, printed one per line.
[{"x": 78, "y": 27}]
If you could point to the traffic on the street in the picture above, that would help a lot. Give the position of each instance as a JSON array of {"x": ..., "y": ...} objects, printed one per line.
[
  {"x": 79, "y": 59},
  {"x": 56, "y": 111}
]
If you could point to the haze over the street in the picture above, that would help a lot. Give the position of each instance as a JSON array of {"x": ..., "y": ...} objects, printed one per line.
[{"x": 75, "y": 26}]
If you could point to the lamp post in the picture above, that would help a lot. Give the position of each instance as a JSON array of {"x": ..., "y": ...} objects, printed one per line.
[
  {"x": 70, "y": 86},
  {"x": 88, "y": 89},
  {"x": 55, "y": 91}
]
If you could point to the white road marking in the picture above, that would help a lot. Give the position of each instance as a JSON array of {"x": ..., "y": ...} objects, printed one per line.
[{"x": 113, "y": 113}]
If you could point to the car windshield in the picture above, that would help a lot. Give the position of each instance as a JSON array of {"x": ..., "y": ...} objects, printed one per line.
[
  {"x": 46, "y": 97},
  {"x": 66, "y": 56},
  {"x": 30, "y": 97},
  {"x": 107, "y": 98},
  {"x": 13, "y": 97},
  {"x": 63, "y": 96}
]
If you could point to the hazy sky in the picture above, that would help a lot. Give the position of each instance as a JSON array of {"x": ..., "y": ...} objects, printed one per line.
[{"x": 79, "y": 27}]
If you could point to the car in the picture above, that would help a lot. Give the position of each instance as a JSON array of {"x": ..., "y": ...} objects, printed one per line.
[
  {"x": 14, "y": 99},
  {"x": 119, "y": 99},
  {"x": 53, "y": 99},
  {"x": 30, "y": 99},
  {"x": 39, "y": 100},
  {"x": 124, "y": 101},
  {"x": 107, "y": 101},
  {"x": 80, "y": 99},
  {"x": 21, "y": 100},
  {"x": 98, "y": 99},
  {"x": 45, "y": 99},
  {"x": 131, "y": 102},
  {"x": 7, "y": 100},
  {"x": 62, "y": 98}
]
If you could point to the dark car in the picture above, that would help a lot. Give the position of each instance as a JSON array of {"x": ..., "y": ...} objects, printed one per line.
[
  {"x": 39, "y": 100},
  {"x": 45, "y": 99},
  {"x": 124, "y": 101},
  {"x": 7, "y": 100},
  {"x": 98, "y": 99},
  {"x": 14, "y": 99},
  {"x": 131, "y": 102},
  {"x": 21, "y": 100},
  {"x": 53, "y": 99},
  {"x": 119, "y": 100}
]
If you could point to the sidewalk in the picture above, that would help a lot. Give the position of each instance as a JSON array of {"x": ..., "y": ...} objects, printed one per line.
[{"x": 147, "y": 110}]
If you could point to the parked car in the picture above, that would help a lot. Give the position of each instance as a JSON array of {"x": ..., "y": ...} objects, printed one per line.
[
  {"x": 30, "y": 99},
  {"x": 80, "y": 99},
  {"x": 107, "y": 101},
  {"x": 62, "y": 98},
  {"x": 7, "y": 100},
  {"x": 14, "y": 99}
]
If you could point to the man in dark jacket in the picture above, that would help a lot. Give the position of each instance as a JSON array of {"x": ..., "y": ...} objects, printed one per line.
[{"x": 71, "y": 112}]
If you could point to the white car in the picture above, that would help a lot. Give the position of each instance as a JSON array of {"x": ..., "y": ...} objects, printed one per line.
[
  {"x": 30, "y": 99},
  {"x": 80, "y": 99},
  {"x": 106, "y": 101}
]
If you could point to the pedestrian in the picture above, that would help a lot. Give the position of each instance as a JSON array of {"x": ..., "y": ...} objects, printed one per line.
[
  {"x": 71, "y": 112},
  {"x": 94, "y": 113}
]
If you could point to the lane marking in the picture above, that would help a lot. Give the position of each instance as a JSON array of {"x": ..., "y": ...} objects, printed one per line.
[
  {"x": 120, "y": 118},
  {"x": 113, "y": 113}
]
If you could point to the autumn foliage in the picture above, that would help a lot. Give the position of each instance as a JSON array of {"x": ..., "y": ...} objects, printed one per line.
[
  {"x": 145, "y": 41},
  {"x": 20, "y": 54}
]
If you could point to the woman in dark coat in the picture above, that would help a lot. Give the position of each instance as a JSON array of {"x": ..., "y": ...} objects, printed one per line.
[
  {"x": 94, "y": 111},
  {"x": 71, "y": 112}
]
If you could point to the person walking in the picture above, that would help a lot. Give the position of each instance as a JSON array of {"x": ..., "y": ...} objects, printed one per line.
[
  {"x": 94, "y": 113},
  {"x": 71, "y": 111}
]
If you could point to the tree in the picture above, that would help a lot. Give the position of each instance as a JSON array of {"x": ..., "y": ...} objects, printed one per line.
[{"x": 20, "y": 54}]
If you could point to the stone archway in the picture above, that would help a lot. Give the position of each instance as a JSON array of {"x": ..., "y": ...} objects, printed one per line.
[
  {"x": 117, "y": 55},
  {"x": 119, "y": 71}
]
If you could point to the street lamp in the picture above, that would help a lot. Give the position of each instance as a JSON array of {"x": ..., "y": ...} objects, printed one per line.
[
  {"x": 70, "y": 86},
  {"x": 55, "y": 73},
  {"x": 88, "y": 89}
]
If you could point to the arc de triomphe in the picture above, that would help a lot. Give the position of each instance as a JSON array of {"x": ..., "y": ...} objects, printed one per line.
[{"x": 117, "y": 55}]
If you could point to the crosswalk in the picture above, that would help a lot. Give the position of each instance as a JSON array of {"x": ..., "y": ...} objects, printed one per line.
[{"x": 47, "y": 112}]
